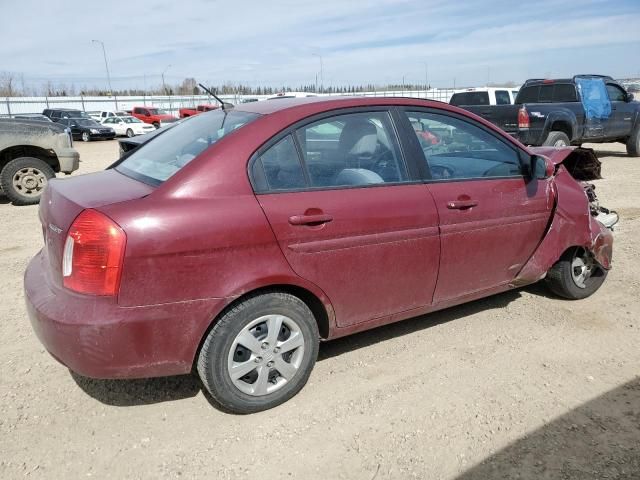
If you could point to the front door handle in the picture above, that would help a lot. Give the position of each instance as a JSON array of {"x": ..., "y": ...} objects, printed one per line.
[
  {"x": 317, "y": 219},
  {"x": 461, "y": 204}
]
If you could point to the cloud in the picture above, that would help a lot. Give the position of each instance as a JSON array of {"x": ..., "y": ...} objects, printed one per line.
[{"x": 360, "y": 42}]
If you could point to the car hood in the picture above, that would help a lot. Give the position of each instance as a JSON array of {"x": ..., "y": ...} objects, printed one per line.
[{"x": 582, "y": 163}]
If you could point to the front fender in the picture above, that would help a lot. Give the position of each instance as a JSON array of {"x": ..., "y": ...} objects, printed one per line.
[{"x": 571, "y": 226}]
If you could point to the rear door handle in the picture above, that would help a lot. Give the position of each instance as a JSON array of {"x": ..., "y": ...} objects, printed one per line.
[
  {"x": 461, "y": 204},
  {"x": 318, "y": 219}
]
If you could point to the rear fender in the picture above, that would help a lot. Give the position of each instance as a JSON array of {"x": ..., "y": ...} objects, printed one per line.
[{"x": 571, "y": 226}]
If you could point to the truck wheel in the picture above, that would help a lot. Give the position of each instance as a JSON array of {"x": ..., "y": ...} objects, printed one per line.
[
  {"x": 24, "y": 178},
  {"x": 633, "y": 143},
  {"x": 557, "y": 139},
  {"x": 260, "y": 353},
  {"x": 576, "y": 275},
  {"x": 156, "y": 124}
]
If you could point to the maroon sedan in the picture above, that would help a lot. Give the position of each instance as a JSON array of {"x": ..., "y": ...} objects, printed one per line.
[{"x": 236, "y": 241}]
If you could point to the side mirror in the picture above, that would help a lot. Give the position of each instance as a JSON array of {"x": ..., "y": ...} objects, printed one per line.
[
  {"x": 630, "y": 97},
  {"x": 536, "y": 166}
]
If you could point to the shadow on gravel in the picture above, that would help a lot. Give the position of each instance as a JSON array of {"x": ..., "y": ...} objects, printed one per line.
[
  {"x": 126, "y": 393},
  {"x": 605, "y": 153},
  {"x": 598, "y": 440},
  {"x": 405, "y": 327}
]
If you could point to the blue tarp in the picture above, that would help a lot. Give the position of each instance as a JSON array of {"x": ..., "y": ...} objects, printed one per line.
[{"x": 595, "y": 99}]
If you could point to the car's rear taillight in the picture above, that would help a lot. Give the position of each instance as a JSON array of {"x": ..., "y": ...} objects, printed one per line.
[
  {"x": 93, "y": 254},
  {"x": 523, "y": 118}
]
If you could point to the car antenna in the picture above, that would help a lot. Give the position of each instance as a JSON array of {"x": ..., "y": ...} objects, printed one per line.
[{"x": 223, "y": 105}]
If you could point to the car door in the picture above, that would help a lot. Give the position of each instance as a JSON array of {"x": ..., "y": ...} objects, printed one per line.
[
  {"x": 348, "y": 216},
  {"x": 491, "y": 216},
  {"x": 622, "y": 113}
]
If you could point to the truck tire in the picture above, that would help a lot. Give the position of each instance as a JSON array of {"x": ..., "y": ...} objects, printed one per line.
[
  {"x": 156, "y": 124},
  {"x": 23, "y": 179},
  {"x": 557, "y": 139},
  {"x": 633, "y": 143}
]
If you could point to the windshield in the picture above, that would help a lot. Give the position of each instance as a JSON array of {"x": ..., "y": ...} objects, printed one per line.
[
  {"x": 85, "y": 122},
  {"x": 131, "y": 120},
  {"x": 157, "y": 160},
  {"x": 157, "y": 111}
]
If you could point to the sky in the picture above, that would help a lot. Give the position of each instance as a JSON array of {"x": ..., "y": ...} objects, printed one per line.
[{"x": 278, "y": 43}]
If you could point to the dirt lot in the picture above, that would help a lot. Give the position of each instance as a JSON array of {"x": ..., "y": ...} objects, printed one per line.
[{"x": 520, "y": 385}]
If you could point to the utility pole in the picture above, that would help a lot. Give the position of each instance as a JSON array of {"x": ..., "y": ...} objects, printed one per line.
[
  {"x": 164, "y": 86},
  {"x": 106, "y": 66},
  {"x": 321, "y": 71}
]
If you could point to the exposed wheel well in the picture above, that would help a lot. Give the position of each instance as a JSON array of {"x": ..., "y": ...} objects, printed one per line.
[
  {"x": 17, "y": 151},
  {"x": 313, "y": 302},
  {"x": 561, "y": 126}
]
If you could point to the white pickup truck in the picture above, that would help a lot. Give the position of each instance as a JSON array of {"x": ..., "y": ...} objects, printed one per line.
[{"x": 484, "y": 96}]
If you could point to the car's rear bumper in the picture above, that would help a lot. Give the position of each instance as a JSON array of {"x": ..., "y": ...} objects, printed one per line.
[{"x": 96, "y": 337}]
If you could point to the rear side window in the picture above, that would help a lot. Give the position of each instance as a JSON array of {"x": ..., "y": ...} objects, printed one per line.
[
  {"x": 281, "y": 167},
  {"x": 564, "y": 92},
  {"x": 470, "y": 98},
  {"x": 502, "y": 97},
  {"x": 157, "y": 160},
  {"x": 528, "y": 94},
  {"x": 351, "y": 150}
]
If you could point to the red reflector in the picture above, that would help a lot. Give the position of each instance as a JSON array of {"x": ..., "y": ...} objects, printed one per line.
[
  {"x": 548, "y": 81},
  {"x": 523, "y": 118},
  {"x": 93, "y": 254}
]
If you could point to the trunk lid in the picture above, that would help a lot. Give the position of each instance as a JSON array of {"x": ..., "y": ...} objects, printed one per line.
[{"x": 64, "y": 199}]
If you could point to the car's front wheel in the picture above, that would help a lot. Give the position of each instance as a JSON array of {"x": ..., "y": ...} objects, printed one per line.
[
  {"x": 260, "y": 353},
  {"x": 576, "y": 275},
  {"x": 86, "y": 137},
  {"x": 130, "y": 133}
]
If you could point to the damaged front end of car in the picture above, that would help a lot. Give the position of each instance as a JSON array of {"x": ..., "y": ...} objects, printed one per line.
[{"x": 578, "y": 219}]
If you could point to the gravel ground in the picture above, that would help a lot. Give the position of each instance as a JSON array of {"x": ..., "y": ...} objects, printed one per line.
[{"x": 519, "y": 385}]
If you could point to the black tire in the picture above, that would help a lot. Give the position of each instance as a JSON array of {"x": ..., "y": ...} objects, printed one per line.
[
  {"x": 214, "y": 357},
  {"x": 633, "y": 143},
  {"x": 86, "y": 137},
  {"x": 557, "y": 139},
  {"x": 561, "y": 279},
  {"x": 27, "y": 172},
  {"x": 156, "y": 124},
  {"x": 129, "y": 133}
]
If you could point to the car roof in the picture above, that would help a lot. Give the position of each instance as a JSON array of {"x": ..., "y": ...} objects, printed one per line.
[{"x": 313, "y": 105}]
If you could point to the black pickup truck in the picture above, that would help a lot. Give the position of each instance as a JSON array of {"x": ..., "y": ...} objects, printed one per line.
[{"x": 585, "y": 108}]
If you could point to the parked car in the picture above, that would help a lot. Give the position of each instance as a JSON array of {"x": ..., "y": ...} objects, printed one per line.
[
  {"x": 585, "y": 108},
  {"x": 283, "y": 95},
  {"x": 31, "y": 153},
  {"x": 87, "y": 129},
  {"x": 273, "y": 224},
  {"x": 32, "y": 116},
  {"x": 55, "y": 114},
  {"x": 484, "y": 96},
  {"x": 129, "y": 126},
  {"x": 102, "y": 114},
  {"x": 127, "y": 145},
  {"x": 189, "y": 112},
  {"x": 154, "y": 116}
]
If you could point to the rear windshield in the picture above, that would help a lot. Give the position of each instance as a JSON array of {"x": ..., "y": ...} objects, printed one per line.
[
  {"x": 470, "y": 98},
  {"x": 548, "y": 93},
  {"x": 157, "y": 160}
]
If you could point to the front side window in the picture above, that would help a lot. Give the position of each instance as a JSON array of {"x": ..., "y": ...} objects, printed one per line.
[
  {"x": 157, "y": 160},
  {"x": 457, "y": 149},
  {"x": 616, "y": 94},
  {"x": 351, "y": 149}
]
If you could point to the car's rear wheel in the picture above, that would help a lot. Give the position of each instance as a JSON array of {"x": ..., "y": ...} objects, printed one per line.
[
  {"x": 260, "y": 353},
  {"x": 557, "y": 139},
  {"x": 130, "y": 133},
  {"x": 86, "y": 137},
  {"x": 576, "y": 275},
  {"x": 633, "y": 143},
  {"x": 23, "y": 179}
]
